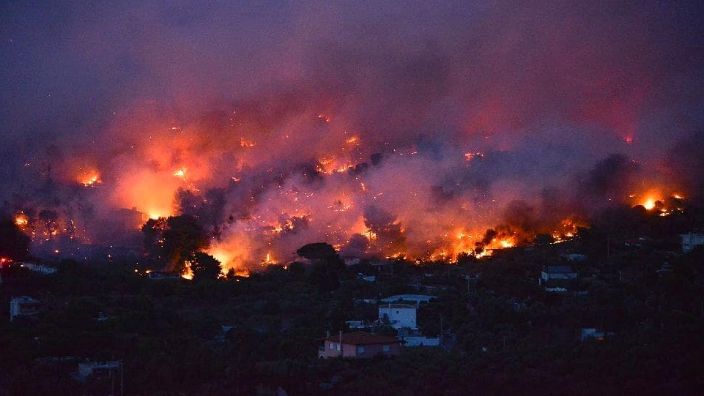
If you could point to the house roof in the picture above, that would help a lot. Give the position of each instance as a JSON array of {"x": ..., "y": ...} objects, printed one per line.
[
  {"x": 408, "y": 297},
  {"x": 362, "y": 338},
  {"x": 403, "y": 306}
]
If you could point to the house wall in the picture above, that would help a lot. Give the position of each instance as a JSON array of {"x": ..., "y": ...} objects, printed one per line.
[
  {"x": 399, "y": 317},
  {"x": 690, "y": 241},
  {"x": 421, "y": 341},
  {"x": 351, "y": 351}
]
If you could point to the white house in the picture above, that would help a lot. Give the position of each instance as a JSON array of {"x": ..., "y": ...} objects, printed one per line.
[
  {"x": 691, "y": 240},
  {"x": 398, "y": 315},
  {"x": 555, "y": 278},
  {"x": 556, "y": 272},
  {"x": 23, "y": 306}
]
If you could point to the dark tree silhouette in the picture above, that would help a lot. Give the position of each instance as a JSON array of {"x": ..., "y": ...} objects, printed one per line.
[
  {"x": 543, "y": 240},
  {"x": 174, "y": 240},
  {"x": 14, "y": 244},
  {"x": 317, "y": 251},
  {"x": 204, "y": 266}
]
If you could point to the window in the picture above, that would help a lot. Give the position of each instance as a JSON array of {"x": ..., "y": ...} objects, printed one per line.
[
  {"x": 332, "y": 345},
  {"x": 385, "y": 348},
  {"x": 337, "y": 346},
  {"x": 360, "y": 349}
]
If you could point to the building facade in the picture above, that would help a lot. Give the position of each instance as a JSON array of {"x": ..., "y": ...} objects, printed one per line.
[
  {"x": 398, "y": 315},
  {"x": 359, "y": 345},
  {"x": 691, "y": 240},
  {"x": 24, "y": 306}
]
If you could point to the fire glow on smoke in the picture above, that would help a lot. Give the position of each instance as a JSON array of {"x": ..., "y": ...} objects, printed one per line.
[{"x": 438, "y": 137}]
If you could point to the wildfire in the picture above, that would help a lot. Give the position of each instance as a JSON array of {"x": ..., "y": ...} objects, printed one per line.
[
  {"x": 21, "y": 220},
  {"x": 654, "y": 201},
  {"x": 331, "y": 165},
  {"x": 268, "y": 259},
  {"x": 247, "y": 143},
  {"x": 471, "y": 156},
  {"x": 188, "y": 272},
  {"x": 180, "y": 173},
  {"x": 89, "y": 179},
  {"x": 506, "y": 243}
]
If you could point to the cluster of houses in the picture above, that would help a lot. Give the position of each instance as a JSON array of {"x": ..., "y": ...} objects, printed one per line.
[{"x": 399, "y": 312}]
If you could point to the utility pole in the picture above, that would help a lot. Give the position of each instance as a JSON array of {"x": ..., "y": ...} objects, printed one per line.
[
  {"x": 122, "y": 379},
  {"x": 441, "y": 327}
]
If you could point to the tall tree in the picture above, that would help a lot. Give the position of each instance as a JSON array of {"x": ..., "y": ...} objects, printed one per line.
[
  {"x": 14, "y": 244},
  {"x": 174, "y": 240},
  {"x": 204, "y": 266}
]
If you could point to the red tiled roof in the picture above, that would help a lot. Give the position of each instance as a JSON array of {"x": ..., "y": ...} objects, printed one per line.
[{"x": 362, "y": 338}]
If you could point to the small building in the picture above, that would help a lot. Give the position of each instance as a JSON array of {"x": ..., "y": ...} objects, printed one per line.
[
  {"x": 355, "y": 324},
  {"x": 414, "y": 298},
  {"x": 556, "y": 272},
  {"x": 359, "y": 345},
  {"x": 555, "y": 278},
  {"x": 380, "y": 263},
  {"x": 398, "y": 315},
  {"x": 42, "y": 269},
  {"x": 691, "y": 240},
  {"x": 96, "y": 369},
  {"x": 638, "y": 242},
  {"x": 366, "y": 278},
  {"x": 24, "y": 306},
  {"x": 592, "y": 333},
  {"x": 574, "y": 256}
]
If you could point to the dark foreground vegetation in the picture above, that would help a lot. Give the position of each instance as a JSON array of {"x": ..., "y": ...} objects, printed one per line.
[{"x": 501, "y": 332}]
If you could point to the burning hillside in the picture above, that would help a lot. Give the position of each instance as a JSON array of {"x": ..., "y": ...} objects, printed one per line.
[{"x": 407, "y": 134}]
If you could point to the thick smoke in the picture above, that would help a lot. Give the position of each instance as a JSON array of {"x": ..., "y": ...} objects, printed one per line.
[{"x": 379, "y": 127}]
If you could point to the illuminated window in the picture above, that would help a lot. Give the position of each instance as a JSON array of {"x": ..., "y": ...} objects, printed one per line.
[
  {"x": 360, "y": 349},
  {"x": 385, "y": 348},
  {"x": 337, "y": 346},
  {"x": 332, "y": 345}
]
